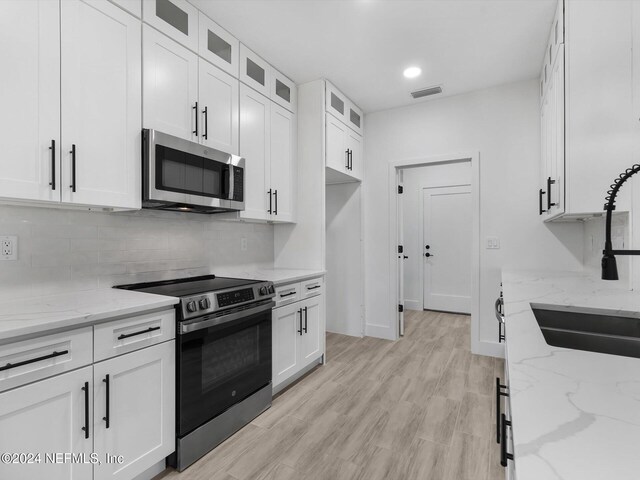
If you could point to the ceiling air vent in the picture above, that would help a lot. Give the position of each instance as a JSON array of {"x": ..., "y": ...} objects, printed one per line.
[{"x": 425, "y": 92}]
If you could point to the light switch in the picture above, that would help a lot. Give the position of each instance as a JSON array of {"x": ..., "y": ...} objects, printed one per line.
[{"x": 493, "y": 243}]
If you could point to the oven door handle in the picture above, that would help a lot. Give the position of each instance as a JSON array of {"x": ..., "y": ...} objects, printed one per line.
[
  {"x": 231, "y": 183},
  {"x": 195, "y": 325}
]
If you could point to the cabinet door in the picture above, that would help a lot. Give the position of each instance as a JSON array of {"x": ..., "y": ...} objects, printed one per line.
[
  {"x": 30, "y": 99},
  {"x": 354, "y": 118},
  {"x": 141, "y": 410},
  {"x": 556, "y": 167},
  {"x": 336, "y": 103},
  {"x": 255, "y": 125},
  {"x": 45, "y": 418},
  {"x": 311, "y": 340},
  {"x": 101, "y": 104},
  {"x": 170, "y": 86},
  {"x": 254, "y": 71},
  {"x": 176, "y": 18},
  {"x": 219, "y": 108},
  {"x": 218, "y": 46},
  {"x": 283, "y": 91},
  {"x": 354, "y": 145},
  {"x": 285, "y": 327},
  {"x": 283, "y": 134},
  {"x": 336, "y": 150},
  {"x": 134, "y": 7}
]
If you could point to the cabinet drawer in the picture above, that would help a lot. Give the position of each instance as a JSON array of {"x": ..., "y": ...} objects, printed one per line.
[
  {"x": 286, "y": 294},
  {"x": 122, "y": 336},
  {"x": 38, "y": 358},
  {"x": 311, "y": 288}
]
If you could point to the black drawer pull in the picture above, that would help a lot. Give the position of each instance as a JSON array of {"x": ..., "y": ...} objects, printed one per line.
[
  {"x": 540, "y": 194},
  {"x": 55, "y": 354},
  {"x": 314, "y": 287},
  {"x": 86, "y": 409},
  {"x": 499, "y": 393},
  {"x": 300, "y": 329},
  {"x": 504, "y": 455},
  {"x": 53, "y": 165},
  {"x": 106, "y": 406},
  {"x": 282, "y": 295},
  {"x": 195, "y": 109},
  {"x": 127, "y": 335},
  {"x": 549, "y": 202},
  {"x": 270, "y": 201},
  {"x": 73, "y": 168},
  {"x": 305, "y": 319}
]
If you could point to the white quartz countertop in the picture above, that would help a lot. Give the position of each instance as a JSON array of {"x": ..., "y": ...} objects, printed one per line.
[
  {"x": 39, "y": 315},
  {"x": 278, "y": 276},
  {"x": 576, "y": 415}
]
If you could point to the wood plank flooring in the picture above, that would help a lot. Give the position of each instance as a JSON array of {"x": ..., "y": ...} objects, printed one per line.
[{"x": 418, "y": 408}]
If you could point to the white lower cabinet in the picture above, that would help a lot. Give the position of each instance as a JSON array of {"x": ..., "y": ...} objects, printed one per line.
[
  {"x": 48, "y": 418},
  {"x": 298, "y": 337},
  {"x": 135, "y": 393}
]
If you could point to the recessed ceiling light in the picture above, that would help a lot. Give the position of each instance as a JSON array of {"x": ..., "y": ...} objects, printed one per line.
[{"x": 412, "y": 72}]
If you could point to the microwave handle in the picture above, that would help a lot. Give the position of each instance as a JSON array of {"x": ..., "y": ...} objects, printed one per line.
[{"x": 231, "y": 185}]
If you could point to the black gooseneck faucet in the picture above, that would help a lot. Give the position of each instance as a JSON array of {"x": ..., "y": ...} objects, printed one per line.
[{"x": 609, "y": 266}]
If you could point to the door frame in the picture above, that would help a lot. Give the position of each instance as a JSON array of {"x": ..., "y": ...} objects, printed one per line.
[
  {"x": 394, "y": 167},
  {"x": 422, "y": 240}
]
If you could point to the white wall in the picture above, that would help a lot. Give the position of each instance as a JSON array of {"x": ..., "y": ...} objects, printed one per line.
[
  {"x": 500, "y": 123},
  {"x": 67, "y": 250},
  {"x": 415, "y": 180},
  {"x": 344, "y": 259}
]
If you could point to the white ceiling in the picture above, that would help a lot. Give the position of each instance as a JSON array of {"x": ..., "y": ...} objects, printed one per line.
[{"x": 363, "y": 46}]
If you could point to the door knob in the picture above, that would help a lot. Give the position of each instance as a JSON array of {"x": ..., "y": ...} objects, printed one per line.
[
  {"x": 427, "y": 247},
  {"x": 406, "y": 256},
  {"x": 428, "y": 255}
]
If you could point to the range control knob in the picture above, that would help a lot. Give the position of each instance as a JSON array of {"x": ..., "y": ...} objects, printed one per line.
[
  {"x": 272, "y": 289},
  {"x": 192, "y": 307},
  {"x": 205, "y": 303},
  {"x": 263, "y": 290}
]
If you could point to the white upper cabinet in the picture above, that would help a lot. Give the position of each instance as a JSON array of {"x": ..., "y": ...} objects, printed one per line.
[
  {"x": 170, "y": 86},
  {"x": 255, "y": 147},
  {"x": 336, "y": 149},
  {"x": 219, "y": 108},
  {"x": 218, "y": 46},
  {"x": 283, "y": 91},
  {"x": 355, "y": 117},
  {"x": 283, "y": 147},
  {"x": 254, "y": 71},
  {"x": 336, "y": 103},
  {"x": 354, "y": 148},
  {"x": 176, "y": 18},
  {"x": 101, "y": 105},
  {"x": 30, "y": 99}
]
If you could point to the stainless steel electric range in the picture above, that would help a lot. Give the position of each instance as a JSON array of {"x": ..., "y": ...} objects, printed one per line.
[{"x": 223, "y": 358}]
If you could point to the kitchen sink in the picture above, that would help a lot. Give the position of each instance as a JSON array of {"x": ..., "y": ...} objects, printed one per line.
[{"x": 593, "y": 332}]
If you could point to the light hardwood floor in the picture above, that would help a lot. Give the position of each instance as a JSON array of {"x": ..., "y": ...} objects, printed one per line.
[{"x": 418, "y": 408}]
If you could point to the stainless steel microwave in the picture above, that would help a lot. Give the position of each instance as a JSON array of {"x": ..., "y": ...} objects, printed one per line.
[{"x": 185, "y": 176}]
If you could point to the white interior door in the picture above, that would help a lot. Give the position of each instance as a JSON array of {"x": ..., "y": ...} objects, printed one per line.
[
  {"x": 400, "y": 262},
  {"x": 447, "y": 224}
]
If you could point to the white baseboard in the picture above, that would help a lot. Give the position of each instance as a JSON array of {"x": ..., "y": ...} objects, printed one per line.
[
  {"x": 412, "y": 305},
  {"x": 379, "y": 331},
  {"x": 490, "y": 349}
]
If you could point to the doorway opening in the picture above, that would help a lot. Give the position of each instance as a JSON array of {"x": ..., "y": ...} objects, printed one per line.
[{"x": 435, "y": 219}]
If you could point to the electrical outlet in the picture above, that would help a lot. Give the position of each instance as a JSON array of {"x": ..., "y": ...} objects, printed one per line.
[
  {"x": 9, "y": 248},
  {"x": 243, "y": 244},
  {"x": 493, "y": 243}
]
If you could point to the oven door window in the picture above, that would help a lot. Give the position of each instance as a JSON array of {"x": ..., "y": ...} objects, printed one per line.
[
  {"x": 220, "y": 366},
  {"x": 183, "y": 172}
]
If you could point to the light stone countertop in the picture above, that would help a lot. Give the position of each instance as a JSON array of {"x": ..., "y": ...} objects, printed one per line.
[
  {"x": 41, "y": 315},
  {"x": 279, "y": 276},
  {"x": 575, "y": 414}
]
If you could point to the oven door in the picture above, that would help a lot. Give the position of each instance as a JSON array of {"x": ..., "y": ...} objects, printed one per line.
[{"x": 221, "y": 361}]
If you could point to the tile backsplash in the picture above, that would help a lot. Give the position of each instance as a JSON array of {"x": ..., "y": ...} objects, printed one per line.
[
  {"x": 69, "y": 250},
  {"x": 594, "y": 233}
]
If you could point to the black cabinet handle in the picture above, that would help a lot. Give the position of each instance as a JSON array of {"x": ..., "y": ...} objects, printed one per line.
[
  {"x": 206, "y": 123},
  {"x": 549, "y": 183},
  {"x": 106, "y": 406},
  {"x": 269, "y": 193},
  {"x": 195, "y": 109},
  {"x": 282, "y": 295},
  {"x": 429, "y": 255},
  {"x": 305, "y": 319},
  {"x": 9, "y": 366},
  {"x": 127, "y": 335},
  {"x": 350, "y": 159},
  {"x": 300, "y": 329},
  {"x": 275, "y": 194},
  {"x": 499, "y": 393},
  {"x": 86, "y": 409},
  {"x": 53, "y": 165},
  {"x": 504, "y": 455},
  {"x": 540, "y": 194},
  {"x": 314, "y": 287},
  {"x": 346, "y": 154},
  {"x": 73, "y": 168}
]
